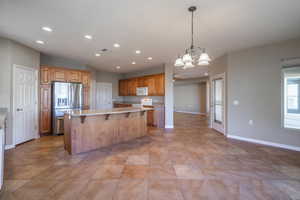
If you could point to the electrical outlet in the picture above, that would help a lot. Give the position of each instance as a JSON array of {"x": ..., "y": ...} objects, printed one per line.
[{"x": 250, "y": 122}]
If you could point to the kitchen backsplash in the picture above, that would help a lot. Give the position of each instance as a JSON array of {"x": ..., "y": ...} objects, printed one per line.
[{"x": 155, "y": 99}]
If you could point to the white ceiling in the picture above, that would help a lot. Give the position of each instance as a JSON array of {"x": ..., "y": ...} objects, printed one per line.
[{"x": 159, "y": 28}]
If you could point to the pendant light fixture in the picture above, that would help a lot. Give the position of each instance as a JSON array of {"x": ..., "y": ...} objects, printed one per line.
[{"x": 193, "y": 55}]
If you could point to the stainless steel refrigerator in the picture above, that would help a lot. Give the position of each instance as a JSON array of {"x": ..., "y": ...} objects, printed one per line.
[{"x": 65, "y": 96}]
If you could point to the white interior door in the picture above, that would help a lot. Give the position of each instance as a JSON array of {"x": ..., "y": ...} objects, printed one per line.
[
  {"x": 104, "y": 96},
  {"x": 25, "y": 104},
  {"x": 218, "y": 103}
]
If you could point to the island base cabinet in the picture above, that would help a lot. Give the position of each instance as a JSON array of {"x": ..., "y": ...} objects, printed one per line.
[{"x": 102, "y": 130}]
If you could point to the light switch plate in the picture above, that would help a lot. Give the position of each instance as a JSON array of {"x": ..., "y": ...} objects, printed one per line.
[{"x": 236, "y": 102}]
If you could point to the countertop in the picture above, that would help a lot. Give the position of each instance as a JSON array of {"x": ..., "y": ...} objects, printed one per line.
[
  {"x": 137, "y": 102},
  {"x": 78, "y": 113},
  {"x": 3, "y": 113}
]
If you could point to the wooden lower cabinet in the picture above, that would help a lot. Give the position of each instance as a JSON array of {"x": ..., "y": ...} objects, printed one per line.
[
  {"x": 150, "y": 118},
  {"x": 45, "y": 121}
]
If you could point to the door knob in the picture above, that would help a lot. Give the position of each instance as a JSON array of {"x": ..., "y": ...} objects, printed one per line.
[{"x": 19, "y": 109}]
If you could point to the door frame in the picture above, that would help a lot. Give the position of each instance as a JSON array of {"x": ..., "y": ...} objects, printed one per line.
[
  {"x": 36, "y": 73},
  {"x": 218, "y": 76}
]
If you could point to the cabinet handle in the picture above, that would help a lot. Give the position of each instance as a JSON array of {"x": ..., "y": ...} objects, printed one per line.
[{"x": 19, "y": 109}]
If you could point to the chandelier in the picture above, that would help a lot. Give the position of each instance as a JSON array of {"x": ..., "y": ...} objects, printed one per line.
[{"x": 193, "y": 55}]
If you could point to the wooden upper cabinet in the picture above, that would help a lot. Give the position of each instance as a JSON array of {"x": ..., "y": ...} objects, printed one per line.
[
  {"x": 160, "y": 84},
  {"x": 123, "y": 87},
  {"x": 45, "y": 75},
  {"x": 59, "y": 74},
  {"x": 141, "y": 82},
  {"x": 85, "y": 79},
  {"x": 132, "y": 85},
  {"x": 150, "y": 83},
  {"x": 74, "y": 76},
  {"x": 155, "y": 84}
]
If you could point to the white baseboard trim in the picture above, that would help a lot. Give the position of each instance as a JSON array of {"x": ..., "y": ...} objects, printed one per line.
[
  {"x": 9, "y": 146},
  {"x": 169, "y": 126},
  {"x": 196, "y": 113},
  {"x": 273, "y": 144}
]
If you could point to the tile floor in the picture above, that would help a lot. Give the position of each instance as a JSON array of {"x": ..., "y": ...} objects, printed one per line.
[{"x": 186, "y": 163}]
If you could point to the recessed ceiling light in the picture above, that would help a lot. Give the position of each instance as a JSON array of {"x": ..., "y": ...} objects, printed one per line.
[
  {"x": 46, "y": 28},
  {"x": 205, "y": 74},
  {"x": 97, "y": 54},
  {"x": 40, "y": 42},
  {"x": 149, "y": 58},
  {"x": 138, "y": 51},
  {"x": 133, "y": 63},
  {"x": 88, "y": 37},
  {"x": 118, "y": 67},
  {"x": 116, "y": 45}
]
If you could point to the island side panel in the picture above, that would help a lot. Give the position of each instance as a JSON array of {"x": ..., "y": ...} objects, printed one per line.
[
  {"x": 67, "y": 133},
  {"x": 97, "y": 131}
]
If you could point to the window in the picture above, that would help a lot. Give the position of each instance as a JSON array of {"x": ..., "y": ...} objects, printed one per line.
[{"x": 291, "y": 98}]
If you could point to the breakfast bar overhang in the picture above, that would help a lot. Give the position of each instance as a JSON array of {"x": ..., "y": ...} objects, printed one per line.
[{"x": 86, "y": 130}]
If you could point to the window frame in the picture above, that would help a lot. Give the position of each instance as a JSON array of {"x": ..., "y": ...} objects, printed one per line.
[{"x": 283, "y": 97}]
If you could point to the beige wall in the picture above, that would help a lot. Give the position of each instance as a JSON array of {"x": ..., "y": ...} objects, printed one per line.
[
  {"x": 113, "y": 78},
  {"x": 254, "y": 79},
  {"x": 190, "y": 98},
  {"x": 13, "y": 53}
]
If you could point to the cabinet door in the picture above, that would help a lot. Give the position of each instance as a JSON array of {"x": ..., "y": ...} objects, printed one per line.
[
  {"x": 150, "y": 83},
  {"x": 86, "y": 98},
  {"x": 160, "y": 85},
  {"x": 132, "y": 84},
  {"x": 74, "y": 76},
  {"x": 59, "y": 74},
  {"x": 45, "y": 75},
  {"x": 150, "y": 118},
  {"x": 85, "y": 78},
  {"x": 123, "y": 88},
  {"x": 141, "y": 82},
  {"x": 45, "y": 109}
]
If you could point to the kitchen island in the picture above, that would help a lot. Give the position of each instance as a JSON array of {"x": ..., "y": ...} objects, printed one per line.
[{"x": 86, "y": 130}]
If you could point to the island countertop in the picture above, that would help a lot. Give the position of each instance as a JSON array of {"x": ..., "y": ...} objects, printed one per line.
[{"x": 79, "y": 113}]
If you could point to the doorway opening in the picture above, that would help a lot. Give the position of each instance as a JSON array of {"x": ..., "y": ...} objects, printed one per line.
[{"x": 218, "y": 111}]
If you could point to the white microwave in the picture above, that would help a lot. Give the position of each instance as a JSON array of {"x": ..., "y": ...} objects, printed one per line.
[{"x": 142, "y": 91}]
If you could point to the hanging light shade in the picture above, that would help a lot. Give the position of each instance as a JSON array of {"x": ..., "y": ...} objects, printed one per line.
[
  {"x": 204, "y": 57},
  {"x": 179, "y": 62},
  {"x": 203, "y": 62},
  {"x": 193, "y": 54},
  {"x": 187, "y": 58},
  {"x": 188, "y": 65}
]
